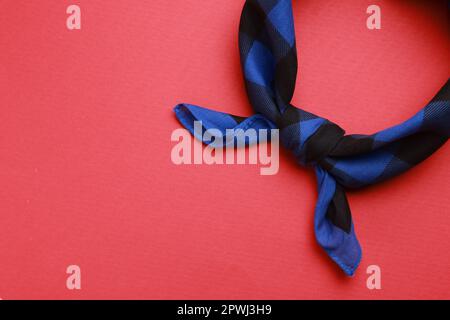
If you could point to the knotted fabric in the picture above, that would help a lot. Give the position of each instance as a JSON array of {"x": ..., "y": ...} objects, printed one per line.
[{"x": 269, "y": 63}]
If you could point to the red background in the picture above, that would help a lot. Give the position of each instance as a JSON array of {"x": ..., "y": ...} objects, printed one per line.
[{"x": 86, "y": 176}]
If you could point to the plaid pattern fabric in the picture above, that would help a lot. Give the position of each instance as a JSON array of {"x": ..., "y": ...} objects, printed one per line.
[{"x": 269, "y": 63}]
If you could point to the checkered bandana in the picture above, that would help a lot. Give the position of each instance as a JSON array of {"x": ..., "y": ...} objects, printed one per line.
[{"x": 269, "y": 63}]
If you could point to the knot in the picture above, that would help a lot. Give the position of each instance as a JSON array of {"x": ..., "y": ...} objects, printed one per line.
[
  {"x": 309, "y": 137},
  {"x": 321, "y": 143}
]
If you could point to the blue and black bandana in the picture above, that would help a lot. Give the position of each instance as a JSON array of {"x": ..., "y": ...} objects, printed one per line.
[{"x": 269, "y": 63}]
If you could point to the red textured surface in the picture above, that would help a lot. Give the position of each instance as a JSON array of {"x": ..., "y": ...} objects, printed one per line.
[{"x": 86, "y": 176}]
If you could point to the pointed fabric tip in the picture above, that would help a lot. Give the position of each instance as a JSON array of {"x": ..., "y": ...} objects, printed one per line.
[{"x": 341, "y": 246}]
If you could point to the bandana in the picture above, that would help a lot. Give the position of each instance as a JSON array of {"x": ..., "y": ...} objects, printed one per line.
[{"x": 269, "y": 64}]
